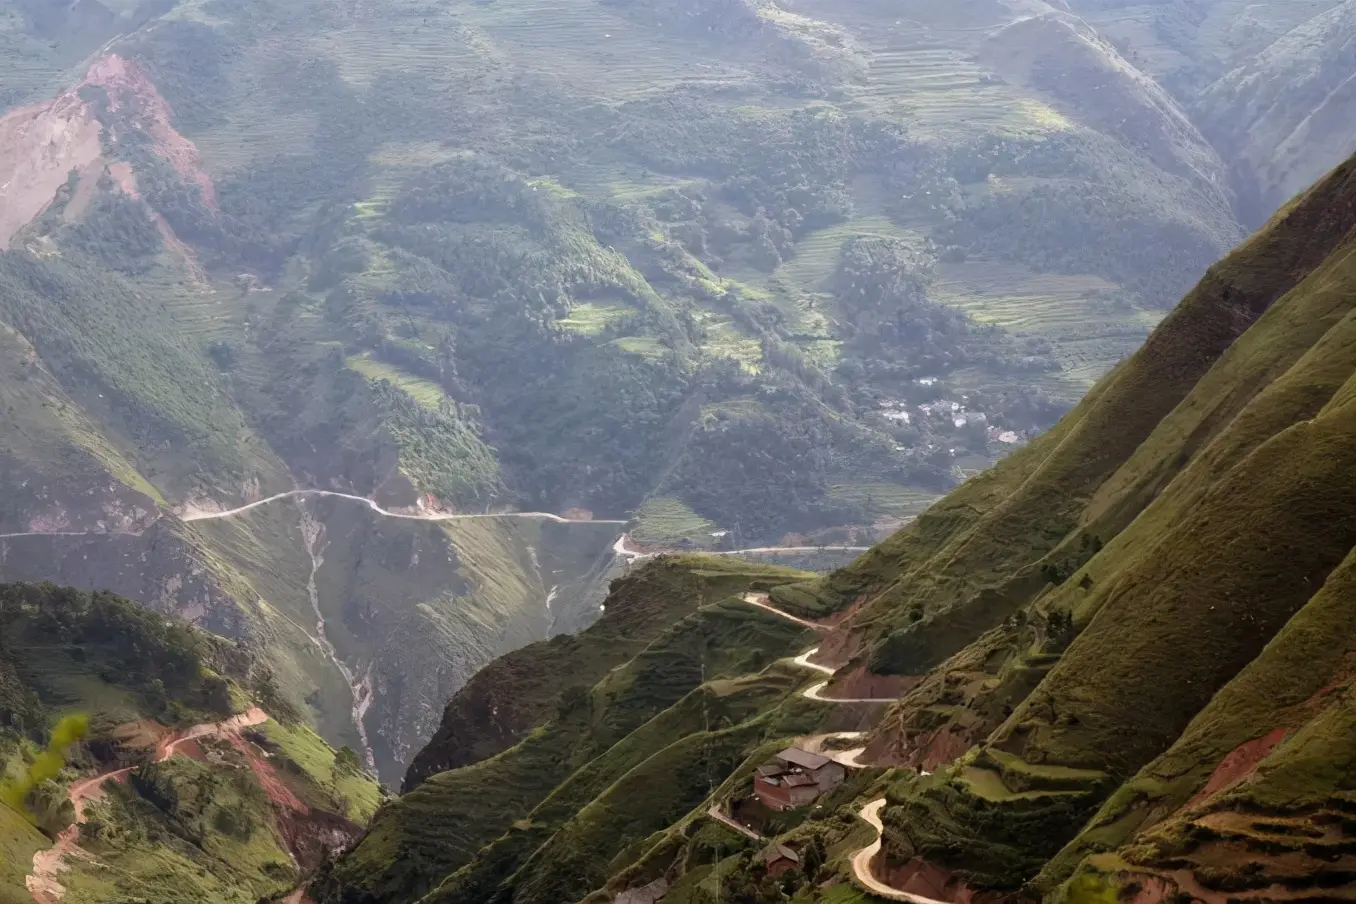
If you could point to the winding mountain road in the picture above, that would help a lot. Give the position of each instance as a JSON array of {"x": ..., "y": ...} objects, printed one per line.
[
  {"x": 42, "y": 882},
  {"x": 814, "y": 691},
  {"x": 204, "y": 515},
  {"x": 861, "y": 861},
  {"x": 803, "y": 660},
  {"x": 759, "y": 600},
  {"x": 635, "y": 555}
]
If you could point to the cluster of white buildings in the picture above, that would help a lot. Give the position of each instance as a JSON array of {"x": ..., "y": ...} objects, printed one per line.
[{"x": 897, "y": 412}]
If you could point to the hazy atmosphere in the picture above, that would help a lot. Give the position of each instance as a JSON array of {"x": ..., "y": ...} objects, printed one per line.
[{"x": 683, "y": 451}]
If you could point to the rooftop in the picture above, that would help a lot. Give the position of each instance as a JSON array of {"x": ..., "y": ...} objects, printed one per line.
[
  {"x": 779, "y": 852},
  {"x": 803, "y": 758}
]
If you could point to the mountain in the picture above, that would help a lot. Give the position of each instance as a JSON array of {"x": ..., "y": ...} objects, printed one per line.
[
  {"x": 289, "y": 288},
  {"x": 143, "y": 759},
  {"x": 1116, "y": 666}
]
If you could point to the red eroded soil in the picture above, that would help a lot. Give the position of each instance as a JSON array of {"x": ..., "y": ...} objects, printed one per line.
[
  {"x": 39, "y": 145},
  {"x": 845, "y": 642},
  {"x": 42, "y": 882},
  {"x": 1339, "y": 681},
  {"x": 924, "y": 752},
  {"x": 1240, "y": 763},
  {"x": 268, "y": 778},
  {"x": 314, "y": 835},
  {"x": 125, "y": 81},
  {"x": 860, "y": 683},
  {"x": 918, "y": 877}
]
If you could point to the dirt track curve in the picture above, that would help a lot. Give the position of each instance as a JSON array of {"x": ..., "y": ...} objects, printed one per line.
[
  {"x": 48, "y": 864},
  {"x": 861, "y": 861}
]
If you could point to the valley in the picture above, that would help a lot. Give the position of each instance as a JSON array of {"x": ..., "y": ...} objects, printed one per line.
[
  {"x": 549, "y": 410},
  {"x": 1078, "y": 677}
]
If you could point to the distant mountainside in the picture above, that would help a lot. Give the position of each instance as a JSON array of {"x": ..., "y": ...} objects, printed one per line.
[
  {"x": 1114, "y": 667},
  {"x": 144, "y": 760},
  {"x": 738, "y": 273}
]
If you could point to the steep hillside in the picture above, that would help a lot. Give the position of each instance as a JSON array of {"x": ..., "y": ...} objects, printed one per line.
[
  {"x": 1116, "y": 666},
  {"x": 370, "y": 621},
  {"x": 163, "y": 775},
  {"x": 1285, "y": 112},
  {"x": 667, "y": 658},
  {"x": 737, "y": 273},
  {"x": 1143, "y": 605}
]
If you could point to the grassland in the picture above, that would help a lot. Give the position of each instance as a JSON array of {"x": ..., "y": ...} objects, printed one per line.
[
  {"x": 19, "y": 841},
  {"x": 1083, "y": 709},
  {"x": 357, "y": 795}
]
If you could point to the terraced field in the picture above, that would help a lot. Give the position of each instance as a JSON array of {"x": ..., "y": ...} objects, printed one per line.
[
  {"x": 725, "y": 339},
  {"x": 205, "y": 314},
  {"x": 256, "y": 94},
  {"x": 1080, "y": 314},
  {"x": 590, "y": 319},
  {"x": 946, "y": 94},
  {"x": 817, "y": 253},
  {"x": 588, "y": 50},
  {"x": 435, "y": 48},
  {"x": 428, "y": 394},
  {"x": 886, "y": 498}
]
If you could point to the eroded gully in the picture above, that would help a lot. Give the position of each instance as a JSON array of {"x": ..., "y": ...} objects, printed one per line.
[{"x": 313, "y": 532}]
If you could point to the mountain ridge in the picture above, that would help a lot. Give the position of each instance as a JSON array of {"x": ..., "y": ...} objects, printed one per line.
[{"x": 1136, "y": 688}]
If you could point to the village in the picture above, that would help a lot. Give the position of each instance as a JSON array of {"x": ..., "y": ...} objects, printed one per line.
[{"x": 897, "y": 413}]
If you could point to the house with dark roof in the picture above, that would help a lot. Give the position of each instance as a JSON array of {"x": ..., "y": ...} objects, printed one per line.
[{"x": 795, "y": 778}]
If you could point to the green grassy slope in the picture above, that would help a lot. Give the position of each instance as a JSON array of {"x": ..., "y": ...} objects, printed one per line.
[
  {"x": 517, "y": 692},
  {"x": 412, "y": 609},
  {"x": 968, "y": 580},
  {"x": 650, "y": 237},
  {"x": 227, "y": 819},
  {"x": 1285, "y": 705},
  {"x": 1216, "y": 535},
  {"x": 664, "y": 635},
  {"x": 1136, "y": 687}
]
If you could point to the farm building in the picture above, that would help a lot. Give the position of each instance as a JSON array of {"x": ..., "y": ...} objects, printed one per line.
[
  {"x": 779, "y": 859},
  {"x": 795, "y": 778}
]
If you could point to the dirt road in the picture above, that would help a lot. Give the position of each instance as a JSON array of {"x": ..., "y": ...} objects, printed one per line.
[
  {"x": 760, "y": 600},
  {"x": 204, "y": 515},
  {"x": 634, "y": 555},
  {"x": 715, "y": 813},
  {"x": 42, "y": 882},
  {"x": 814, "y": 691},
  {"x": 861, "y": 861}
]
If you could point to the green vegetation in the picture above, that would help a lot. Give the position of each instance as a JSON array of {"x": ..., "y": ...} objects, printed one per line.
[
  {"x": 720, "y": 266},
  {"x": 659, "y": 661},
  {"x": 353, "y": 792},
  {"x": 101, "y": 683},
  {"x": 1232, "y": 492},
  {"x": 521, "y": 690},
  {"x": 668, "y": 522}
]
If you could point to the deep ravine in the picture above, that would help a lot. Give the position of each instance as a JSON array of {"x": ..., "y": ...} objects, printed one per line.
[{"x": 313, "y": 532}]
